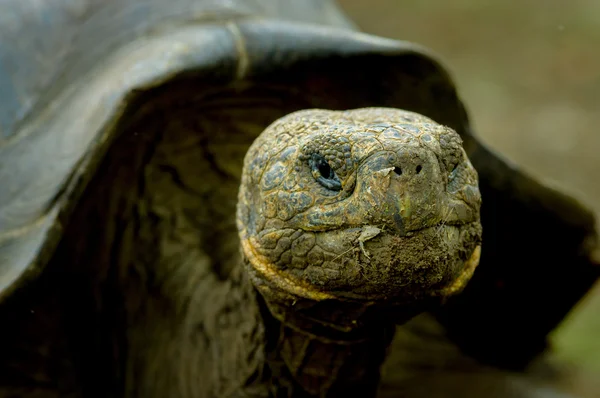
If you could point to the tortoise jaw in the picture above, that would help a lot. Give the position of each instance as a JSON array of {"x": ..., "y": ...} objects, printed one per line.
[{"x": 270, "y": 280}]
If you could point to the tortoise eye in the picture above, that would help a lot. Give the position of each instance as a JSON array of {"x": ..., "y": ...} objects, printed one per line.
[{"x": 323, "y": 173}]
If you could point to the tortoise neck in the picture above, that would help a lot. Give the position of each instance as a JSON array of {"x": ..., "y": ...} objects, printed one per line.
[
  {"x": 308, "y": 359},
  {"x": 330, "y": 347}
]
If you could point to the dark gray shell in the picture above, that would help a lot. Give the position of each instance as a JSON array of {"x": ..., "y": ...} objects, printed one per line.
[{"x": 71, "y": 70}]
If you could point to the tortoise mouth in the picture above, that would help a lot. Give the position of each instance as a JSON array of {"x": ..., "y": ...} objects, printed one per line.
[{"x": 389, "y": 288}]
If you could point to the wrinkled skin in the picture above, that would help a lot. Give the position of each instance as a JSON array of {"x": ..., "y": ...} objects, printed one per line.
[{"x": 371, "y": 204}]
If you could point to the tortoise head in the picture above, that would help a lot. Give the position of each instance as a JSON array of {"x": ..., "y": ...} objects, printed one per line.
[{"x": 373, "y": 204}]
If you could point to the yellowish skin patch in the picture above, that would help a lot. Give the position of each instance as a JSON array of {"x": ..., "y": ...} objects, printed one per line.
[{"x": 460, "y": 282}]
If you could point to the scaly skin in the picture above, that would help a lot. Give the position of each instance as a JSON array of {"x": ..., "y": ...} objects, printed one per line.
[{"x": 351, "y": 221}]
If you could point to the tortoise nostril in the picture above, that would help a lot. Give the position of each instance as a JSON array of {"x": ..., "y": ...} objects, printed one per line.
[
  {"x": 398, "y": 170},
  {"x": 419, "y": 168}
]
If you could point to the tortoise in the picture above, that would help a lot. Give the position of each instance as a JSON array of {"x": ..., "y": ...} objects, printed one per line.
[{"x": 154, "y": 241}]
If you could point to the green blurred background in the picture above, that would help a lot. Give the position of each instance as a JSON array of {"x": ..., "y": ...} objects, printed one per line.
[{"x": 529, "y": 72}]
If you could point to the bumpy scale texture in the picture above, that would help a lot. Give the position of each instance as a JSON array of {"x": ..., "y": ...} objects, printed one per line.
[{"x": 367, "y": 204}]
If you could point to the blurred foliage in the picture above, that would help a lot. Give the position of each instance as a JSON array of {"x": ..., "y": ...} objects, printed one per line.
[{"x": 529, "y": 73}]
